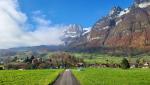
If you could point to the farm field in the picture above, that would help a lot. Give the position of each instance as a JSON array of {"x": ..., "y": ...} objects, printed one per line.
[
  {"x": 92, "y": 58},
  {"x": 110, "y": 76},
  {"x": 28, "y": 77}
]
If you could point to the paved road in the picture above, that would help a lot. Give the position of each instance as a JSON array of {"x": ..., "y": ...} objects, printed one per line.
[{"x": 67, "y": 78}]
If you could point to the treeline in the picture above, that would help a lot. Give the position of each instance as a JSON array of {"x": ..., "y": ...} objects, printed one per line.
[
  {"x": 125, "y": 64},
  {"x": 55, "y": 61}
]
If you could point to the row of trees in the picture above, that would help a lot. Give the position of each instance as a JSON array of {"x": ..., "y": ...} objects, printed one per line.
[
  {"x": 57, "y": 60},
  {"x": 63, "y": 60}
]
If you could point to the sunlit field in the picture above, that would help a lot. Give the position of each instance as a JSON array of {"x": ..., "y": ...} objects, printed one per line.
[
  {"x": 92, "y": 58},
  {"x": 109, "y": 76},
  {"x": 28, "y": 77}
]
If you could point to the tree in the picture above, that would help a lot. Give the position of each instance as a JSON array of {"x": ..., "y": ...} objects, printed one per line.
[
  {"x": 137, "y": 63},
  {"x": 14, "y": 59},
  {"x": 65, "y": 60},
  {"x": 125, "y": 64},
  {"x": 27, "y": 60},
  {"x": 31, "y": 58}
]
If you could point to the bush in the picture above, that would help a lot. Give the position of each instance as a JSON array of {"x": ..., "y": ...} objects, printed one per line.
[
  {"x": 1, "y": 68},
  {"x": 43, "y": 66},
  {"x": 16, "y": 66},
  {"x": 125, "y": 64}
]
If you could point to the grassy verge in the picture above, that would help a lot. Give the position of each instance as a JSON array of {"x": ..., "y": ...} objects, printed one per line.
[{"x": 109, "y": 76}]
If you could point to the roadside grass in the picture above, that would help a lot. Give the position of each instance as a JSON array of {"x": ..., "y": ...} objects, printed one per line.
[
  {"x": 113, "y": 76},
  {"x": 28, "y": 77}
]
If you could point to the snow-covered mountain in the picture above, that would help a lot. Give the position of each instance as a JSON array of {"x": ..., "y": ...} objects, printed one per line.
[
  {"x": 122, "y": 30},
  {"x": 142, "y": 3},
  {"x": 127, "y": 29},
  {"x": 74, "y": 32}
]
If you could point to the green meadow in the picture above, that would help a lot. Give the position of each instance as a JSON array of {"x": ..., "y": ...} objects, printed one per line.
[
  {"x": 92, "y": 58},
  {"x": 28, "y": 77},
  {"x": 113, "y": 76}
]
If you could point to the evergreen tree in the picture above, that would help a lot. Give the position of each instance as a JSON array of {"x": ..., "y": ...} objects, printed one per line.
[
  {"x": 125, "y": 64},
  {"x": 27, "y": 60},
  {"x": 31, "y": 58}
]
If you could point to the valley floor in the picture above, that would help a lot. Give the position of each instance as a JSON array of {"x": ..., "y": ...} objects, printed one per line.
[
  {"x": 85, "y": 76},
  {"x": 113, "y": 76},
  {"x": 28, "y": 77}
]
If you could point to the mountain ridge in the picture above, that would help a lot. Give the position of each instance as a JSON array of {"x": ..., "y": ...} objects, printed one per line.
[{"x": 122, "y": 29}]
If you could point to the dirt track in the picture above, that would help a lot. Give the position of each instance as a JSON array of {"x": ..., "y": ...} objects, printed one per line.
[{"x": 67, "y": 78}]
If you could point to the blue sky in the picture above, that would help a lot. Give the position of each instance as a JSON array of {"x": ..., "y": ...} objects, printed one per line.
[
  {"x": 83, "y": 12},
  {"x": 42, "y": 22}
]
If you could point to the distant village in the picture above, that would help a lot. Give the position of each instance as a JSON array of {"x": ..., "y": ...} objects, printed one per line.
[
  {"x": 55, "y": 61},
  {"x": 65, "y": 60}
]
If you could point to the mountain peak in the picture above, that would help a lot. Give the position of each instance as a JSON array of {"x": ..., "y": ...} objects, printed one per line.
[
  {"x": 115, "y": 11},
  {"x": 122, "y": 28},
  {"x": 73, "y": 30},
  {"x": 142, "y": 3}
]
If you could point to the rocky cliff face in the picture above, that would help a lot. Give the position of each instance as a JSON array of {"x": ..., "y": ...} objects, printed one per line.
[
  {"x": 129, "y": 28},
  {"x": 103, "y": 27},
  {"x": 140, "y": 1},
  {"x": 132, "y": 30},
  {"x": 121, "y": 28}
]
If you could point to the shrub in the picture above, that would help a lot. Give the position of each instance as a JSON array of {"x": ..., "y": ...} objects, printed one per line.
[
  {"x": 1, "y": 68},
  {"x": 125, "y": 64},
  {"x": 43, "y": 66}
]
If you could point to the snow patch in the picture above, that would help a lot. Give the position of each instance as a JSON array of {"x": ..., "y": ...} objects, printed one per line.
[
  {"x": 95, "y": 38},
  {"x": 111, "y": 12},
  {"x": 71, "y": 36},
  {"x": 86, "y": 30},
  {"x": 71, "y": 32},
  {"x": 118, "y": 21},
  {"x": 88, "y": 37},
  {"x": 144, "y": 5},
  {"x": 125, "y": 11},
  {"x": 104, "y": 28}
]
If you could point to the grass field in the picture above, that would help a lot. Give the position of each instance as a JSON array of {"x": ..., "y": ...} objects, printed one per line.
[
  {"x": 109, "y": 76},
  {"x": 92, "y": 58},
  {"x": 28, "y": 77}
]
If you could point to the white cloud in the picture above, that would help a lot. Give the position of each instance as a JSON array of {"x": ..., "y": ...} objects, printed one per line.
[
  {"x": 40, "y": 18},
  {"x": 13, "y": 23},
  {"x": 41, "y": 21}
]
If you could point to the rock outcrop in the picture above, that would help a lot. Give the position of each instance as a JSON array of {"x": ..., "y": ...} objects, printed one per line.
[{"x": 122, "y": 29}]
